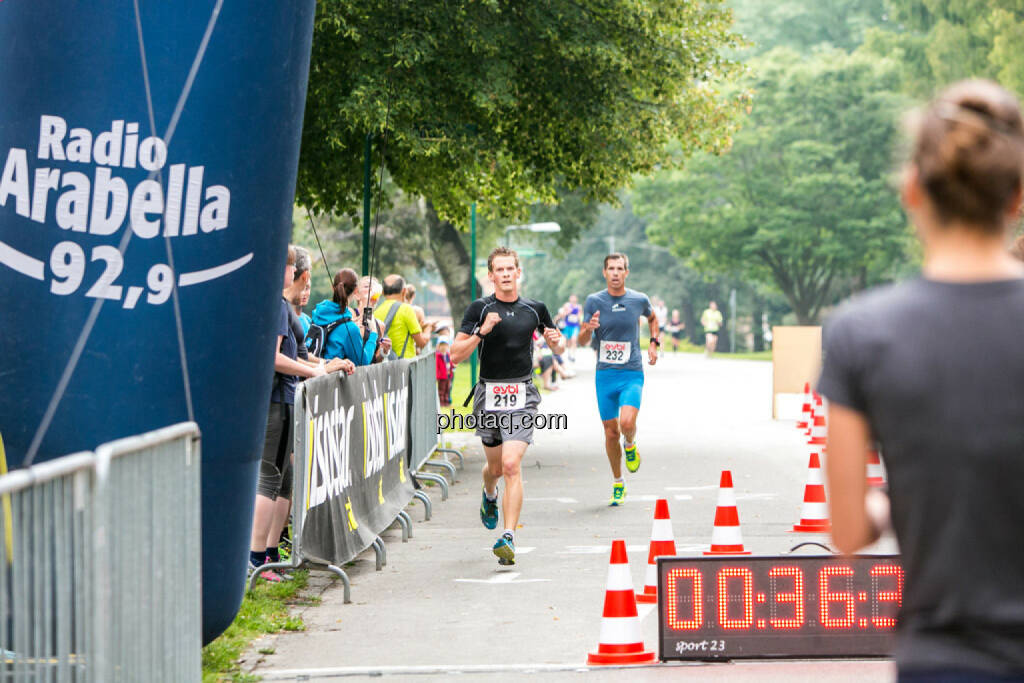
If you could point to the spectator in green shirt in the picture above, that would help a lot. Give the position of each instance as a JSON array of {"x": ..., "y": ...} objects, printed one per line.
[{"x": 401, "y": 325}]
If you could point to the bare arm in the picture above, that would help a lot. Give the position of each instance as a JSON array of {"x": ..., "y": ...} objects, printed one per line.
[
  {"x": 555, "y": 340},
  {"x": 288, "y": 366},
  {"x": 849, "y": 438},
  {"x": 653, "y": 348},
  {"x": 587, "y": 328},
  {"x": 652, "y": 323},
  {"x": 463, "y": 347}
]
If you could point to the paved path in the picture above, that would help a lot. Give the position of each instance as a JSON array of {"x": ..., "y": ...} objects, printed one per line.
[{"x": 442, "y": 604}]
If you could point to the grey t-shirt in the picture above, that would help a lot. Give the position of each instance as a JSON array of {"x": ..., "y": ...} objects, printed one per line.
[
  {"x": 620, "y": 322},
  {"x": 937, "y": 369}
]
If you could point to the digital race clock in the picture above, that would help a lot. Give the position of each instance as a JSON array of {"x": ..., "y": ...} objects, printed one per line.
[{"x": 792, "y": 606}]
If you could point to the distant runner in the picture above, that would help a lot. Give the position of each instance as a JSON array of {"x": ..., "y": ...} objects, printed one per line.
[
  {"x": 571, "y": 318},
  {"x": 504, "y": 400},
  {"x": 612, "y": 317},
  {"x": 711, "y": 321}
]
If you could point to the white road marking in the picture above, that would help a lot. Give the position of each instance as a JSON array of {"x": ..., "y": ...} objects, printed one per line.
[
  {"x": 691, "y": 488},
  {"x": 599, "y": 549},
  {"x": 557, "y": 500},
  {"x": 683, "y": 496},
  {"x": 502, "y": 577},
  {"x": 756, "y": 496},
  {"x": 336, "y": 671},
  {"x": 520, "y": 550}
]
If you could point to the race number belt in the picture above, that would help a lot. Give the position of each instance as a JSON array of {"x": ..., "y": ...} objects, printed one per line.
[
  {"x": 501, "y": 396},
  {"x": 614, "y": 352}
]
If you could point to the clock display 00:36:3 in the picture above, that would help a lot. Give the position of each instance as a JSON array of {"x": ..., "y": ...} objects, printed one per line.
[{"x": 783, "y": 594}]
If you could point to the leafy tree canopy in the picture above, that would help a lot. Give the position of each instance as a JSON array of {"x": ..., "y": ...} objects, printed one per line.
[
  {"x": 803, "y": 200},
  {"x": 505, "y": 101},
  {"x": 940, "y": 42},
  {"x": 803, "y": 24}
]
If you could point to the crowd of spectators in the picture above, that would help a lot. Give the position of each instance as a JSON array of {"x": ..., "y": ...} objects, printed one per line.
[{"x": 363, "y": 322}]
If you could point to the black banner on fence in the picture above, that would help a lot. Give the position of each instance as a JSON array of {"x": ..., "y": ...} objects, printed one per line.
[{"x": 354, "y": 448}]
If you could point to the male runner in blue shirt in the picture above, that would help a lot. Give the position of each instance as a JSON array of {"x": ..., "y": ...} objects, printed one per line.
[{"x": 612, "y": 317}]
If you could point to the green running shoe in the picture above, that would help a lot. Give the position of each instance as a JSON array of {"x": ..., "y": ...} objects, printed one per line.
[
  {"x": 489, "y": 511},
  {"x": 632, "y": 459},
  {"x": 618, "y": 494},
  {"x": 505, "y": 549}
]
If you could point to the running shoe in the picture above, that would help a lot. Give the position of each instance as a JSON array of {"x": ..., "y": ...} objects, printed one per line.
[
  {"x": 632, "y": 459},
  {"x": 505, "y": 549},
  {"x": 489, "y": 511},
  {"x": 618, "y": 494}
]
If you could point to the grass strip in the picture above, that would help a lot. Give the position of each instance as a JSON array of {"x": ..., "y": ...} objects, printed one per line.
[{"x": 264, "y": 610}]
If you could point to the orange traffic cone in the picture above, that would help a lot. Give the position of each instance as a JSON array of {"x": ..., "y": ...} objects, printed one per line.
[
  {"x": 876, "y": 475},
  {"x": 810, "y": 415},
  {"x": 805, "y": 409},
  {"x": 725, "y": 536},
  {"x": 818, "y": 428},
  {"x": 814, "y": 514},
  {"x": 621, "y": 639},
  {"x": 662, "y": 543}
]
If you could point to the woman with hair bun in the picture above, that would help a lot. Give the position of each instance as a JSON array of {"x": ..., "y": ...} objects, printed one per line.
[
  {"x": 346, "y": 338},
  {"x": 932, "y": 369}
]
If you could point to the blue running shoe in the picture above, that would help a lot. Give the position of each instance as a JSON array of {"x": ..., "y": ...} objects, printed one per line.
[
  {"x": 505, "y": 549},
  {"x": 489, "y": 511}
]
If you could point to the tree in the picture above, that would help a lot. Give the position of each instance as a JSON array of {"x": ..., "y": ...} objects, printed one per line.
[
  {"x": 942, "y": 42},
  {"x": 502, "y": 103},
  {"x": 803, "y": 199},
  {"x": 805, "y": 24}
]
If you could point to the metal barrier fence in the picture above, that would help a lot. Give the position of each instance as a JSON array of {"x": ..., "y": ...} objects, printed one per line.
[
  {"x": 425, "y": 440},
  {"x": 421, "y": 443},
  {"x": 93, "y": 583}
]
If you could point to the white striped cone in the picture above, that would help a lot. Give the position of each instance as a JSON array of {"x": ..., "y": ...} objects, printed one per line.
[
  {"x": 876, "y": 474},
  {"x": 810, "y": 416},
  {"x": 805, "y": 409},
  {"x": 725, "y": 536},
  {"x": 814, "y": 514},
  {"x": 819, "y": 430},
  {"x": 663, "y": 543},
  {"x": 622, "y": 641}
]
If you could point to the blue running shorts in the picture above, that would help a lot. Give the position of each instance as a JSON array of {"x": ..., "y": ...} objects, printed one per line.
[
  {"x": 571, "y": 331},
  {"x": 617, "y": 388}
]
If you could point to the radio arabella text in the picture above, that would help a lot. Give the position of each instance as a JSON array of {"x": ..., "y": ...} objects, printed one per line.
[{"x": 502, "y": 420}]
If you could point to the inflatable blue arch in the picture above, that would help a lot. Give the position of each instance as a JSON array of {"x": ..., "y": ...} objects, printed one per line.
[{"x": 148, "y": 155}]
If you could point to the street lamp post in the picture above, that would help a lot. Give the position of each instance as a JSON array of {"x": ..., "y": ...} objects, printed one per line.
[{"x": 532, "y": 227}]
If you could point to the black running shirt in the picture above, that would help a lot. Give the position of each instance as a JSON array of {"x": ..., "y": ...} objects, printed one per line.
[{"x": 507, "y": 351}]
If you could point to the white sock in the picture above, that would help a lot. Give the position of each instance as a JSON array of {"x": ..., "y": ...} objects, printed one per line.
[
  {"x": 627, "y": 444},
  {"x": 620, "y": 480},
  {"x": 491, "y": 496}
]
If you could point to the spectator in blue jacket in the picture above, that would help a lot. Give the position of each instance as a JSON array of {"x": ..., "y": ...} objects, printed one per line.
[{"x": 346, "y": 340}]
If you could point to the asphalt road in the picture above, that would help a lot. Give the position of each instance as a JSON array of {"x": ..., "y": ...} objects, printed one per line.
[{"x": 442, "y": 606}]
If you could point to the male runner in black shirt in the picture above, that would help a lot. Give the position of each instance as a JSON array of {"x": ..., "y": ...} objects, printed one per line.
[{"x": 505, "y": 400}]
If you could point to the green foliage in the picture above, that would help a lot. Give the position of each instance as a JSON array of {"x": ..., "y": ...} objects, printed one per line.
[
  {"x": 804, "y": 24},
  {"x": 803, "y": 200},
  {"x": 504, "y": 103},
  {"x": 940, "y": 42}
]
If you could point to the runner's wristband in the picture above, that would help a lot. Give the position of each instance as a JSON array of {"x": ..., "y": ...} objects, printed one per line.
[{"x": 656, "y": 341}]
